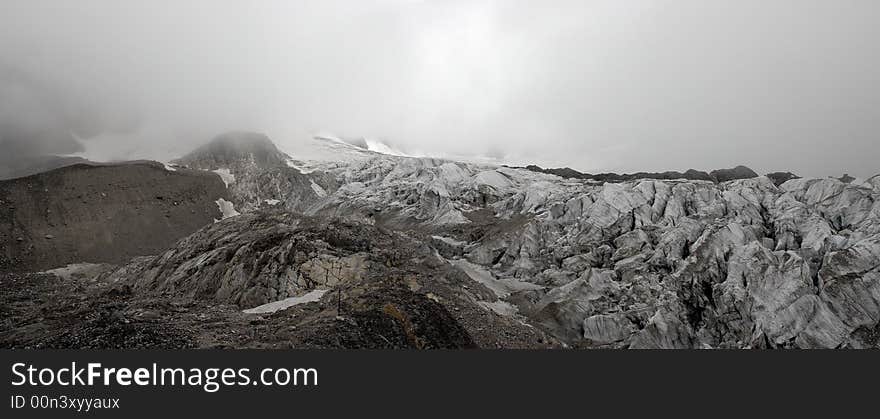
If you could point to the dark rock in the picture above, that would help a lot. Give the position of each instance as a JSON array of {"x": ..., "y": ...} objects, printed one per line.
[
  {"x": 846, "y": 178},
  {"x": 779, "y": 178},
  {"x": 738, "y": 172},
  {"x": 721, "y": 175}
]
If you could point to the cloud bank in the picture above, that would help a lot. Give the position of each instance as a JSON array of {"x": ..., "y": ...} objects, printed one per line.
[{"x": 594, "y": 85}]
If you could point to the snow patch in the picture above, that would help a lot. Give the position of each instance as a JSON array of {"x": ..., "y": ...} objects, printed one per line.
[
  {"x": 225, "y": 175},
  {"x": 449, "y": 241},
  {"x": 380, "y": 147},
  {"x": 169, "y": 167},
  {"x": 227, "y": 208},
  {"x": 302, "y": 169},
  {"x": 286, "y": 303},
  {"x": 76, "y": 270},
  {"x": 272, "y": 202},
  {"x": 318, "y": 189}
]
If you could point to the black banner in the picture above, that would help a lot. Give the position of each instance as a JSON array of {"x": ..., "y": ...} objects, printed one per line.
[{"x": 450, "y": 383}]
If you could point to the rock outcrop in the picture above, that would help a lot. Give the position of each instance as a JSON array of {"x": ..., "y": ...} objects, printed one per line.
[{"x": 378, "y": 288}]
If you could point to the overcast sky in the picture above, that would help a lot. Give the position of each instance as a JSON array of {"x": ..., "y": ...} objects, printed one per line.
[{"x": 595, "y": 85}]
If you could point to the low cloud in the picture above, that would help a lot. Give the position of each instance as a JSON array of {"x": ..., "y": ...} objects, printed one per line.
[{"x": 594, "y": 85}]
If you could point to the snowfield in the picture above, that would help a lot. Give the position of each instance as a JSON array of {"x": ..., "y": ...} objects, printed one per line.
[
  {"x": 226, "y": 175},
  {"x": 227, "y": 208},
  {"x": 286, "y": 303}
]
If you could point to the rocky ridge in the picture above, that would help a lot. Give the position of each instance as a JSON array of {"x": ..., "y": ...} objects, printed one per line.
[{"x": 718, "y": 175}]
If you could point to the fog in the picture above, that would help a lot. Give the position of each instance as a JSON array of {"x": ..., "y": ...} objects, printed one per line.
[{"x": 594, "y": 85}]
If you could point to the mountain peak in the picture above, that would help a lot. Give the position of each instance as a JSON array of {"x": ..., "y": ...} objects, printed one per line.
[{"x": 233, "y": 149}]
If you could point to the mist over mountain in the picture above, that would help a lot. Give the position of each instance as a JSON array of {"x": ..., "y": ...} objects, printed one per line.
[{"x": 592, "y": 85}]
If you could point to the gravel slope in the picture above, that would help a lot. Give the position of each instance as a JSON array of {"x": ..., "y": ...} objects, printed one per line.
[{"x": 101, "y": 213}]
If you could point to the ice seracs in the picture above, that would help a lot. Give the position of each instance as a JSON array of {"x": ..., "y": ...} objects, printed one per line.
[{"x": 729, "y": 260}]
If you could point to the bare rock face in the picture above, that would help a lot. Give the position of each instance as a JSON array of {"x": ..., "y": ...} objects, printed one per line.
[
  {"x": 254, "y": 259},
  {"x": 376, "y": 286},
  {"x": 101, "y": 213}
]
